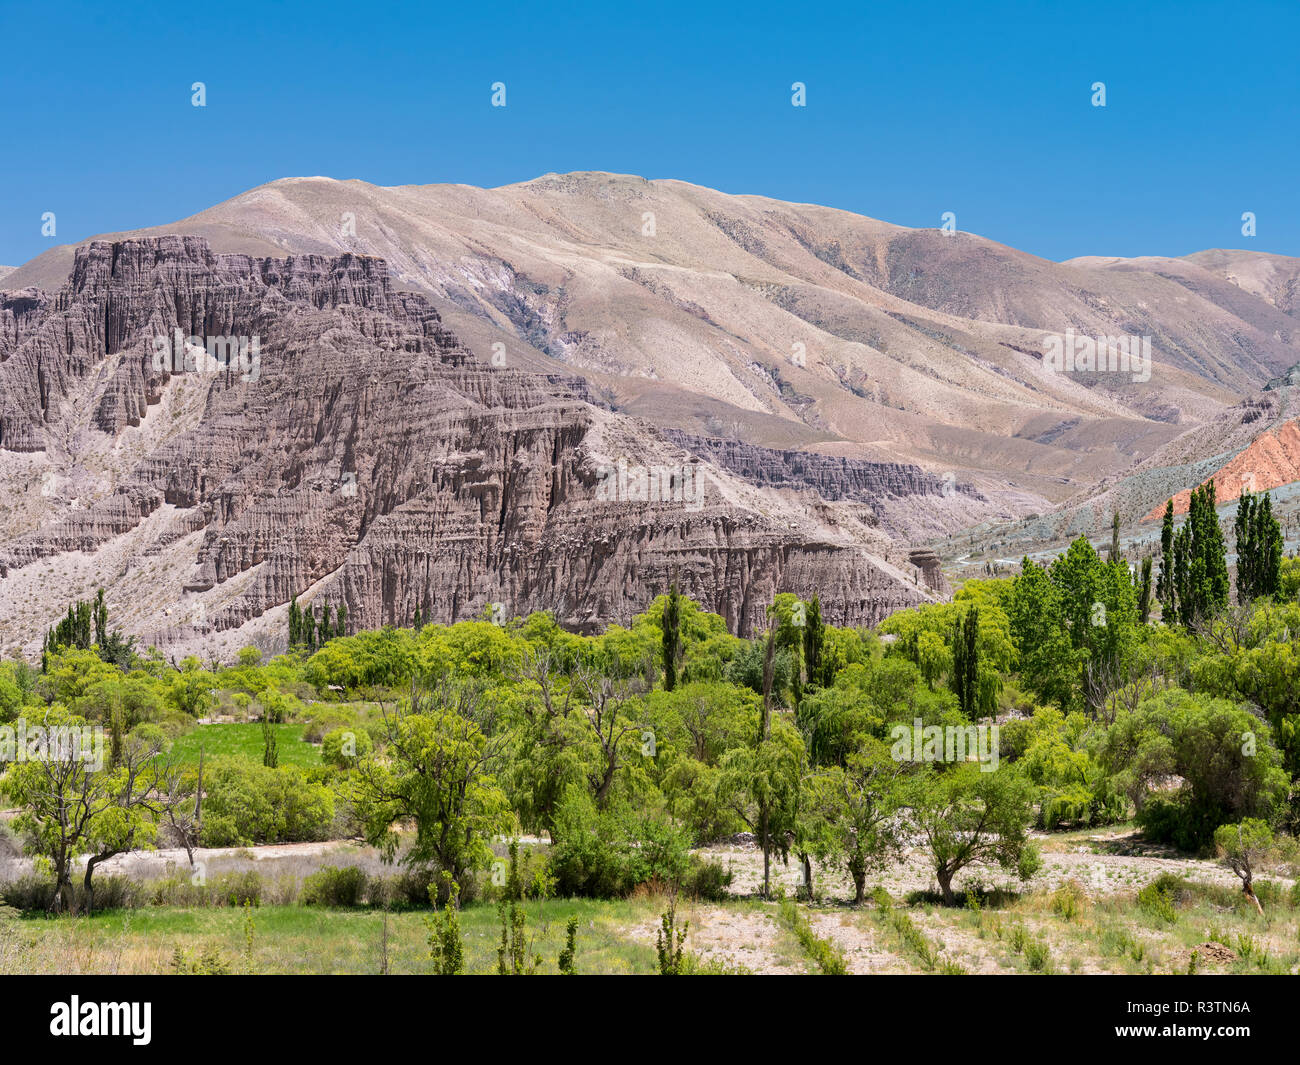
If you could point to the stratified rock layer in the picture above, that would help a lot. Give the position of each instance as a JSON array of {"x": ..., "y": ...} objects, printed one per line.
[{"x": 365, "y": 455}]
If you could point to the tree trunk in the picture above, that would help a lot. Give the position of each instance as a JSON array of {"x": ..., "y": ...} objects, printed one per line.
[
  {"x": 858, "y": 871},
  {"x": 767, "y": 855},
  {"x": 945, "y": 885},
  {"x": 769, "y": 667},
  {"x": 1250, "y": 894},
  {"x": 86, "y": 883},
  {"x": 807, "y": 875}
]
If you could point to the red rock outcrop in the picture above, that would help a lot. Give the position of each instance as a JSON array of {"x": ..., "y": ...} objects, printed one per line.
[{"x": 1271, "y": 460}]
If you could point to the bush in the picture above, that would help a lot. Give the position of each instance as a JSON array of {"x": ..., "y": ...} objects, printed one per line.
[
  {"x": 1069, "y": 900},
  {"x": 240, "y": 889},
  {"x": 707, "y": 881},
  {"x": 607, "y": 853},
  {"x": 1157, "y": 899},
  {"x": 207, "y": 962},
  {"x": 409, "y": 889},
  {"x": 1038, "y": 956},
  {"x": 35, "y": 894},
  {"x": 249, "y": 804},
  {"x": 343, "y": 886},
  {"x": 344, "y": 747}
]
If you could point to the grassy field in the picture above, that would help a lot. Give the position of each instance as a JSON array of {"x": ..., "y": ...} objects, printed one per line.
[
  {"x": 1207, "y": 930},
  {"x": 246, "y": 742},
  {"x": 300, "y": 939}
]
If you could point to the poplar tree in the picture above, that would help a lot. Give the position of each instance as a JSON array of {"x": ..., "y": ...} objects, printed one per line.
[
  {"x": 1165, "y": 582},
  {"x": 965, "y": 662},
  {"x": 1259, "y": 548},
  {"x": 672, "y": 637},
  {"x": 1144, "y": 591},
  {"x": 814, "y": 640}
]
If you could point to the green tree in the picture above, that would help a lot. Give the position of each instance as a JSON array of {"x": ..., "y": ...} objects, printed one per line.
[
  {"x": 1144, "y": 591},
  {"x": 965, "y": 662},
  {"x": 1259, "y": 548},
  {"x": 1222, "y": 753},
  {"x": 1165, "y": 582},
  {"x": 761, "y": 784},
  {"x": 851, "y": 812},
  {"x": 437, "y": 773},
  {"x": 1243, "y": 848},
  {"x": 814, "y": 642},
  {"x": 671, "y": 638},
  {"x": 963, "y": 815}
]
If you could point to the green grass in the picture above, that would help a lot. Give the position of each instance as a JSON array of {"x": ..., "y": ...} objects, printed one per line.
[
  {"x": 245, "y": 742},
  {"x": 299, "y": 939}
]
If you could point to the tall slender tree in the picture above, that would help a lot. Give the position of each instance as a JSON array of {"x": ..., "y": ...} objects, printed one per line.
[
  {"x": 965, "y": 662},
  {"x": 1259, "y": 548},
  {"x": 814, "y": 642},
  {"x": 1144, "y": 591},
  {"x": 672, "y": 637},
  {"x": 1165, "y": 582}
]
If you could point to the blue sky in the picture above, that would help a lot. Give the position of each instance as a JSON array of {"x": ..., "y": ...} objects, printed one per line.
[{"x": 913, "y": 109}]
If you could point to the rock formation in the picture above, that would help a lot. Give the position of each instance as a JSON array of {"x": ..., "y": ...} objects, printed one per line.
[{"x": 342, "y": 443}]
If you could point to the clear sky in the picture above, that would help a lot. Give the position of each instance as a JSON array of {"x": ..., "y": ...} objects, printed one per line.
[{"x": 913, "y": 109}]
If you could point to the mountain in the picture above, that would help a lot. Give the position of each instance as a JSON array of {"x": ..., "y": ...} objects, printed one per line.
[
  {"x": 1253, "y": 446},
  {"x": 464, "y": 396},
  {"x": 325, "y": 436},
  {"x": 794, "y": 326}
]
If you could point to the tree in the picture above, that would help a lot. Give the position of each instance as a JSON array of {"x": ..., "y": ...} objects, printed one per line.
[
  {"x": 1222, "y": 753},
  {"x": 270, "y": 745},
  {"x": 964, "y": 815},
  {"x": 609, "y": 715},
  {"x": 71, "y": 804},
  {"x": 1259, "y": 548},
  {"x": 965, "y": 662},
  {"x": 438, "y": 774},
  {"x": 814, "y": 642},
  {"x": 1144, "y": 591},
  {"x": 1242, "y": 848},
  {"x": 1200, "y": 560},
  {"x": 851, "y": 812},
  {"x": 761, "y": 784},
  {"x": 1114, "y": 555},
  {"x": 671, "y": 638},
  {"x": 1165, "y": 582}
]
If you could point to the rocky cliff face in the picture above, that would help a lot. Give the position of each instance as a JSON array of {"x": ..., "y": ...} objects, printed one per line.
[{"x": 323, "y": 435}]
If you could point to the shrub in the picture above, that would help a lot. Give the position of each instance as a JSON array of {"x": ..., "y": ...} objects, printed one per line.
[
  {"x": 35, "y": 894},
  {"x": 1038, "y": 956},
  {"x": 707, "y": 881},
  {"x": 249, "y": 804},
  {"x": 1069, "y": 899},
  {"x": 1157, "y": 899},
  {"x": 344, "y": 746},
  {"x": 240, "y": 889},
  {"x": 207, "y": 962},
  {"x": 335, "y": 886},
  {"x": 607, "y": 853}
]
